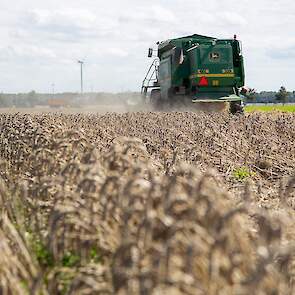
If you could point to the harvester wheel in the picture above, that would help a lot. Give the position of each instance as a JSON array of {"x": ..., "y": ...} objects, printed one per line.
[
  {"x": 236, "y": 108},
  {"x": 156, "y": 99}
]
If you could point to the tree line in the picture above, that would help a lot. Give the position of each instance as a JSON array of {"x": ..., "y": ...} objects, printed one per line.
[
  {"x": 280, "y": 96},
  {"x": 33, "y": 98}
]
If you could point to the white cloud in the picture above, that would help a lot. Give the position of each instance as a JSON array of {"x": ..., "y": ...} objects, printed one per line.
[
  {"x": 23, "y": 53},
  {"x": 62, "y": 18},
  {"x": 152, "y": 13},
  {"x": 68, "y": 24},
  {"x": 231, "y": 18},
  {"x": 44, "y": 39},
  {"x": 282, "y": 52},
  {"x": 161, "y": 14},
  {"x": 118, "y": 52}
]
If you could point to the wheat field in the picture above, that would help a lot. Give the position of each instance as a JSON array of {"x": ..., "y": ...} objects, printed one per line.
[{"x": 147, "y": 203}]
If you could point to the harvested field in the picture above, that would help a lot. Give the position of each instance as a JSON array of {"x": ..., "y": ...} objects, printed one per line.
[{"x": 147, "y": 203}]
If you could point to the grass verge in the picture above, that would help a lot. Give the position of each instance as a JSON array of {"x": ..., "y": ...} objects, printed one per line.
[{"x": 270, "y": 108}]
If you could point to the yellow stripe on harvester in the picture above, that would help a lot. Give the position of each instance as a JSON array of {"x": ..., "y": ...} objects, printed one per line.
[{"x": 212, "y": 76}]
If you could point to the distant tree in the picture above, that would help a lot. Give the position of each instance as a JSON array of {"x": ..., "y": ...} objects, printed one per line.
[
  {"x": 32, "y": 94},
  {"x": 282, "y": 95},
  {"x": 252, "y": 94},
  {"x": 3, "y": 101},
  {"x": 249, "y": 93},
  {"x": 31, "y": 98}
]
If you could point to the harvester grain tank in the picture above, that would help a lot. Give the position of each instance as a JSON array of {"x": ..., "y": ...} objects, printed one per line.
[{"x": 196, "y": 70}]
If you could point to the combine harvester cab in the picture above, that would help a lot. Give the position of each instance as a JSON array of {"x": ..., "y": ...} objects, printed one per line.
[{"x": 196, "y": 70}]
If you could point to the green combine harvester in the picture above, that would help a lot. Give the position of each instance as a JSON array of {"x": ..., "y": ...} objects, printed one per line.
[{"x": 196, "y": 70}]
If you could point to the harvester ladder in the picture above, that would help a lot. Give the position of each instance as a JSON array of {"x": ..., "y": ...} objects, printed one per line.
[{"x": 151, "y": 79}]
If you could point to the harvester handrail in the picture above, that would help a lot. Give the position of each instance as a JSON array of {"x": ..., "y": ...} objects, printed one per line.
[{"x": 151, "y": 76}]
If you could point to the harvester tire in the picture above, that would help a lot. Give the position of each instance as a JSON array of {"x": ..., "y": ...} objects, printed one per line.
[{"x": 236, "y": 108}]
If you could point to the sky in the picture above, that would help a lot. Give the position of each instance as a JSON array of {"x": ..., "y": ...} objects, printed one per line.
[{"x": 41, "y": 41}]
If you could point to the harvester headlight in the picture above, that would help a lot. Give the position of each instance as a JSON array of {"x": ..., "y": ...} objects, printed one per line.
[
  {"x": 204, "y": 71},
  {"x": 227, "y": 71}
]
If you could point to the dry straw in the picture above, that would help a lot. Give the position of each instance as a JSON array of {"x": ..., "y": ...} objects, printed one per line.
[{"x": 130, "y": 204}]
